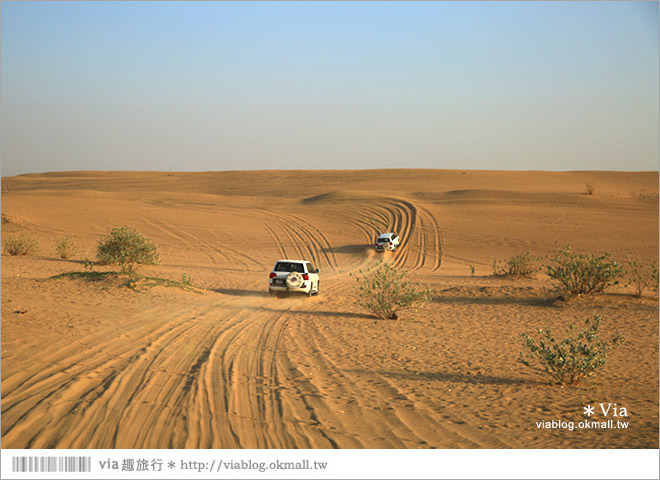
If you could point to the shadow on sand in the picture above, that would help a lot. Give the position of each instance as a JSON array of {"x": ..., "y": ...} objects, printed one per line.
[
  {"x": 454, "y": 377},
  {"x": 468, "y": 300},
  {"x": 356, "y": 249},
  {"x": 237, "y": 292},
  {"x": 319, "y": 313}
]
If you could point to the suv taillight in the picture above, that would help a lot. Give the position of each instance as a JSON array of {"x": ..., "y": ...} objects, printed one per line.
[
  {"x": 273, "y": 274},
  {"x": 305, "y": 276}
]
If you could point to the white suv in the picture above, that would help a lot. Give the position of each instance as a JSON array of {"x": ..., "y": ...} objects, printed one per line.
[
  {"x": 294, "y": 276},
  {"x": 387, "y": 241}
]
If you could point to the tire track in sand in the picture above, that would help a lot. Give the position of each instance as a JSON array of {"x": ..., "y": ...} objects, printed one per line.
[
  {"x": 179, "y": 236},
  {"x": 308, "y": 241},
  {"x": 193, "y": 242},
  {"x": 209, "y": 373},
  {"x": 421, "y": 237},
  {"x": 278, "y": 242},
  {"x": 305, "y": 233},
  {"x": 339, "y": 388},
  {"x": 428, "y": 227},
  {"x": 324, "y": 246},
  {"x": 91, "y": 385},
  {"x": 390, "y": 215}
]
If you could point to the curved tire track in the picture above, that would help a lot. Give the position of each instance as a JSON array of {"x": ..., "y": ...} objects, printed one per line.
[
  {"x": 197, "y": 376},
  {"x": 421, "y": 237},
  {"x": 307, "y": 241}
]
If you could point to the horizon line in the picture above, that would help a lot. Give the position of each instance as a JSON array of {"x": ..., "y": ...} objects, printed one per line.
[{"x": 49, "y": 172}]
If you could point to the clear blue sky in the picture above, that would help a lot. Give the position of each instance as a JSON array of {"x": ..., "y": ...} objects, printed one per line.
[{"x": 252, "y": 85}]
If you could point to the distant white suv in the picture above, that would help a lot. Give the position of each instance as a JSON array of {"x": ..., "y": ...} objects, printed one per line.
[
  {"x": 294, "y": 276},
  {"x": 387, "y": 241}
]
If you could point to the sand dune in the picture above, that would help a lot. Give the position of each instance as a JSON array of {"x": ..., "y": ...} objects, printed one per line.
[{"x": 93, "y": 364}]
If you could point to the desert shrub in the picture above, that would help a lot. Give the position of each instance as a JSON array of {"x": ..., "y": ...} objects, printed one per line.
[
  {"x": 497, "y": 267},
  {"x": 127, "y": 248},
  {"x": 569, "y": 360},
  {"x": 583, "y": 273},
  {"x": 21, "y": 244},
  {"x": 589, "y": 189},
  {"x": 520, "y": 264},
  {"x": 385, "y": 291},
  {"x": 89, "y": 266},
  {"x": 642, "y": 276},
  {"x": 65, "y": 248}
]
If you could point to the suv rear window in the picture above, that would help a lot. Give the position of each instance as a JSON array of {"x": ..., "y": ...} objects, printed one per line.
[{"x": 289, "y": 267}]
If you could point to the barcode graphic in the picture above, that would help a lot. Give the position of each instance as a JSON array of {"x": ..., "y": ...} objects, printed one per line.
[{"x": 51, "y": 464}]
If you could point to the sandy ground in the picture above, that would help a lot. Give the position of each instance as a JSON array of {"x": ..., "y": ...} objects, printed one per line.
[{"x": 94, "y": 364}]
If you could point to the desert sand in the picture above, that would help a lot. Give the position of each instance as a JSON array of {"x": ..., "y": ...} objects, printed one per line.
[{"x": 94, "y": 364}]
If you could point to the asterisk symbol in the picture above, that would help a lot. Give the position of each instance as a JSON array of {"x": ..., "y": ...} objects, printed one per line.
[
  {"x": 171, "y": 464},
  {"x": 588, "y": 410}
]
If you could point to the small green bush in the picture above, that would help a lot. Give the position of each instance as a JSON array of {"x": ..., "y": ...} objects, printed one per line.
[
  {"x": 497, "y": 268},
  {"x": 89, "y": 266},
  {"x": 522, "y": 264},
  {"x": 65, "y": 248},
  {"x": 571, "y": 359},
  {"x": 126, "y": 247},
  {"x": 21, "y": 244},
  {"x": 642, "y": 276},
  {"x": 583, "y": 273},
  {"x": 385, "y": 292}
]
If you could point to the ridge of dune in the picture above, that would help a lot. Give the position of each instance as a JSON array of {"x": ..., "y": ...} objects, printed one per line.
[
  {"x": 526, "y": 197},
  {"x": 306, "y": 183},
  {"x": 341, "y": 196}
]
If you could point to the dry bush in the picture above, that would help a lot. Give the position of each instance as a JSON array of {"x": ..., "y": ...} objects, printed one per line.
[
  {"x": 65, "y": 248},
  {"x": 521, "y": 264},
  {"x": 21, "y": 244}
]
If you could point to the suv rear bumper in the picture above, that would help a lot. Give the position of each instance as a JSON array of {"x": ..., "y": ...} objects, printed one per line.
[{"x": 304, "y": 288}]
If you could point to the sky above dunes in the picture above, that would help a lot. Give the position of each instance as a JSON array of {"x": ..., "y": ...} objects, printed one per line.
[{"x": 200, "y": 86}]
